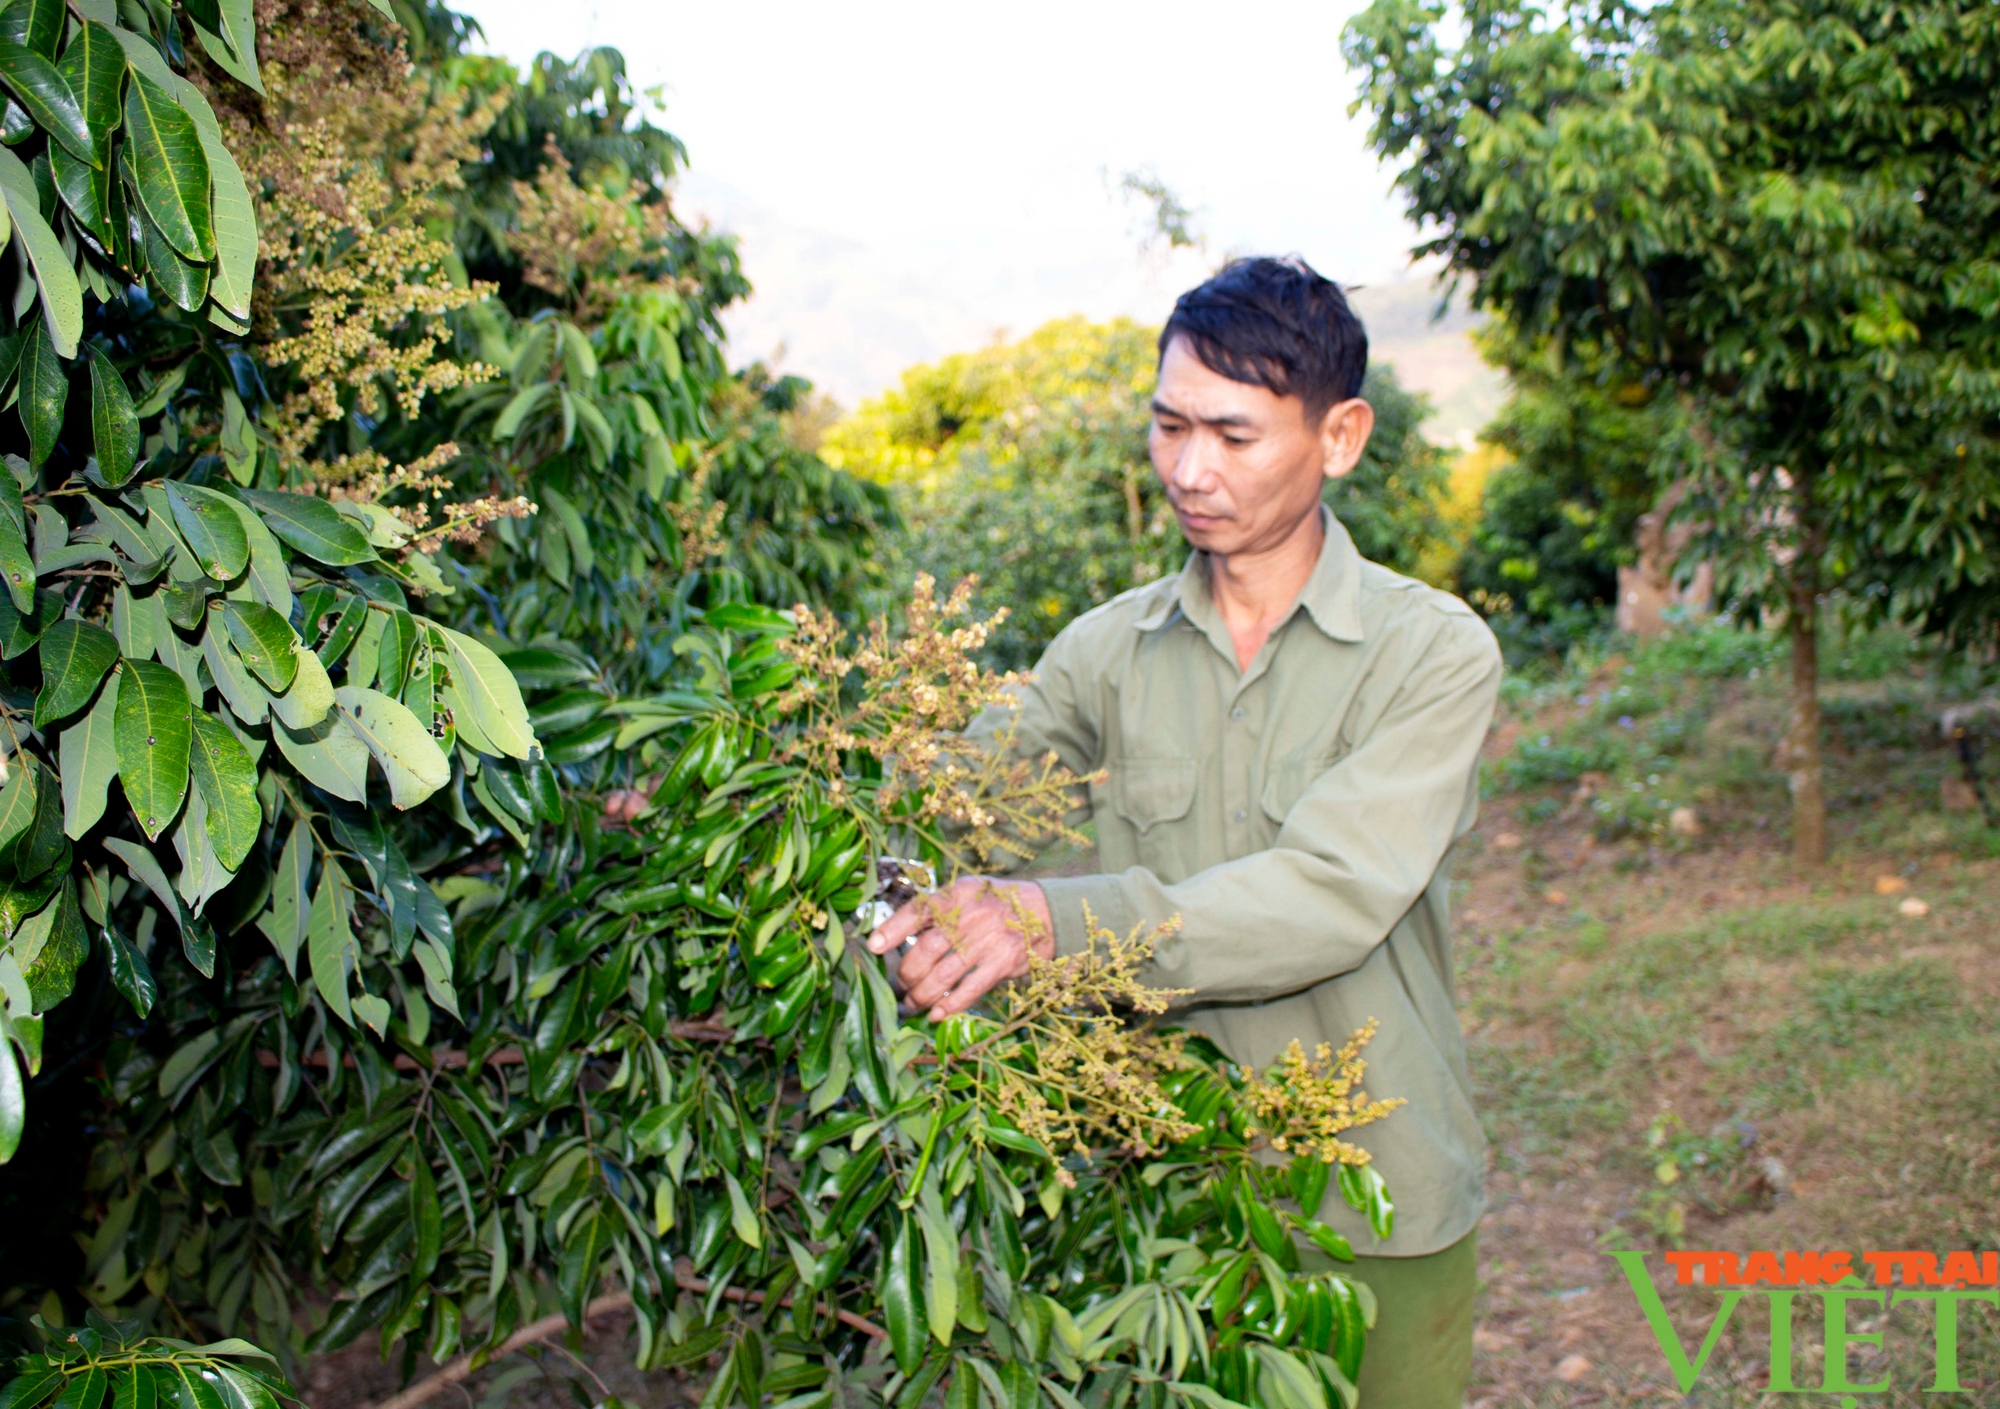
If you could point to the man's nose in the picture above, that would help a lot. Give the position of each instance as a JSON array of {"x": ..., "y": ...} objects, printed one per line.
[{"x": 1194, "y": 469}]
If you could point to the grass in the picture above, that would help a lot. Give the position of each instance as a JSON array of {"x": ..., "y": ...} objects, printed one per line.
[{"x": 1677, "y": 1040}]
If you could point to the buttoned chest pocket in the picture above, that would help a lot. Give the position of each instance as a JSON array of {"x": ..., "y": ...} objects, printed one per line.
[
  {"x": 1154, "y": 789},
  {"x": 1289, "y": 778}
]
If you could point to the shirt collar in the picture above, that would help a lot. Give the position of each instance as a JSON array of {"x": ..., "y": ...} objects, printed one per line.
[{"x": 1331, "y": 596}]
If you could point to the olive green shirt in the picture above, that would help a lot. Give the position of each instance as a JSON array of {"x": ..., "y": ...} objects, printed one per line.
[{"x": 1299, "y": 818}]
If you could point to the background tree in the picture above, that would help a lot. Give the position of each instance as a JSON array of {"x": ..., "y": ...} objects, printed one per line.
[
  {"x": 1557, "y": 514},
  {"x": 1786, "y": 213},
  {"x": 1025, "y": 464}
]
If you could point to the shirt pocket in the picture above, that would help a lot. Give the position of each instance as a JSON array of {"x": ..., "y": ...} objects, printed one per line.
[
  {"x": 1288, "y": 779},
  {"x": 1154, "y": 789}
]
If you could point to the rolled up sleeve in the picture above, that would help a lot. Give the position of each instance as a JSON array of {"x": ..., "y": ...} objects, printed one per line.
[{"x": 1352, "y": 856}]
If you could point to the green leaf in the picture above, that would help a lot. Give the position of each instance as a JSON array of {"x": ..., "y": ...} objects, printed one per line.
[
  {"x": 246, "y": 1391},
  {"x": 137, "y": 1390},
  {"x": 39, "y": 845},
  {"x": 40, "y": 87},
  {"x": 171, "y": 167},
  {"x": 235, "y": 217},
  {"x": 582, "y": 556},
  {"x": 582, "y": 1256},
  {"x": 17, "y": 564},
  {"x": 114, "y": 426},
  {"x": 394, "y": 651},
  {"x": 427, "y": 1216},
  {"x": 330, "y": 941},
  {"x": 234, "y": 49},
  {"x": 131, "y": 975},
  {"x": 197, "y": 939},
  {"x": 481, "y": 686},
  {"x": 86, "y": 190},
  {"x": 266, "y": 642},
  {"x": 13, "y": 1102},
  {"x": 74, "y": 656},
  {"x": 284, "y": 924},
  {"x": 35, "y": 23},
  {"x": 228, "y": 781},
  {"x": 89, "y": 760},
  {"x": 248, "y": 700},
  {"x": 411, "y": 759},
  {"x": 62, "y": 295},
  {"x": 94, "y": 66},
  {"x": 184, "y": 282},
  {"x": 312, "y": 526},
  {"x": 306, "y": 703},
  {"x": 36, "y": 1383},
  {"x": 211, "y": 529},
  {"x": 44, "y": 392},
  {"x": 153, "y": 736},
  {"x": 330, "y": 755},
  {"x": 269, "y": 578},
  {"x": 902, "y": 1299},
  {"x": 941, "y": 1268},
  {"x": 52, "y": 974}
]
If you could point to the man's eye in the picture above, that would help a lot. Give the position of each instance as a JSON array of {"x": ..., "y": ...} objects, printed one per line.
[{"x": 1236, "y": 440}]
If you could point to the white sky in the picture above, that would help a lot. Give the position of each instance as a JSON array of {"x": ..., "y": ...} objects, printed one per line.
[{"x": 912, "y": 179}]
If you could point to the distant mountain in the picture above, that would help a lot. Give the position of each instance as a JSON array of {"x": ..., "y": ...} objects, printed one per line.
[{"x": 851, "y": 318}]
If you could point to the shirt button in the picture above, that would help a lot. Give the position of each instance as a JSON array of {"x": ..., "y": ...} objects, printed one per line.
[
  {"x": 1239, "y": 815},
  {"x": 1237, "y": 713}
]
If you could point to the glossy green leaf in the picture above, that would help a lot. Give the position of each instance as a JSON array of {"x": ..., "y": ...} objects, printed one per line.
[
  {"x": 17, "y": 566},
  {"x": 137, "y": 1389},
  {"x": 74, "y": 656},
  {"x": 211, "y": 530},
  {"x": 88, "y": 755},
  {"x": 235, "y": 217},
  {"x": 313, "y": 526},
  {"x": 284, "y": 924},
  {"x": 223, "y": 770},
  {"x": 94, "y": 66},
  {"x": 410, "y": 758},
  {"x": 52, "y": 974},
  {"x": 114, "y": 426},
  {"x": 183, "y": 281},
  {"x": 35, "y": 23},
  {"x": 234, "y": 45},
  {"x": 55, "y": 277},
  {"x": 153, "y": 734},
  {"x": 41, "y": 88},
  {"x": 13, "y": 1102},
  {"x": 902, "y": 1298},
  {"x": 170, "y": 166},
  {"x": 131, "y": 975},
  {"x": 394, "y": 651},
  {"x": 269, "y": 577},
  {"x": 265, "y": 641},
  {"x": 44, "y": 392},
  {"x": 427, "y": 1216},
  {"x": 330, "y": 941}
]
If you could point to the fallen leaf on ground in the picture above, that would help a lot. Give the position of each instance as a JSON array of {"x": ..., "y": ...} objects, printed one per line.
[
  {"x": 1507, "y": 841},
  {"x": 1572, "y": 1368},
  {"x": 1916, "y": 909},
  {"x": 1556, "y": 897},
  {"x": 1890, "y": 885}
]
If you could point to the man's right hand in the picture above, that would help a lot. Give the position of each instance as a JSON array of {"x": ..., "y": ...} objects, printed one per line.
[{"x": 969, "y": 940}]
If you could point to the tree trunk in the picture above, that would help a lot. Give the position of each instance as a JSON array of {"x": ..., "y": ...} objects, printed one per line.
[
  {"x": 1802, "y": 754},
  {"x": 1804, "y": 771}
]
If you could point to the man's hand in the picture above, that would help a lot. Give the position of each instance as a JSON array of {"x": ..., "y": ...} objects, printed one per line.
[{"x": 968, "y": 939}]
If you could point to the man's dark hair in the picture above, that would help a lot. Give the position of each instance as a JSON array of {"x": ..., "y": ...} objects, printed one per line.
[{"x": 1277, "y": 324}]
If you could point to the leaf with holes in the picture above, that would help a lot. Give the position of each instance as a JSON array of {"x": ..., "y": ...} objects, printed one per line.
[
  {"x": 153, "y": 735},
  {"x": 411, "y": 759}
]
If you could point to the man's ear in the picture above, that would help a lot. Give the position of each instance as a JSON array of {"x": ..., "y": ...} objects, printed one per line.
[{"x": 1343, "y": 435}]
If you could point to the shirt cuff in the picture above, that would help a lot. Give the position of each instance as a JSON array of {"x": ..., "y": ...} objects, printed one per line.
[{"x": 1111, "y": 908}]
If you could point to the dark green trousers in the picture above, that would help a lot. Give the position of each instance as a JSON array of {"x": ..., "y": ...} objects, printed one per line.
[{"x": 1419, "y": 1355}]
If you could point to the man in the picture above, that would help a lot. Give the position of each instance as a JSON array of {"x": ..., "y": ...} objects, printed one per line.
[{"x": 1290, "y": 735}]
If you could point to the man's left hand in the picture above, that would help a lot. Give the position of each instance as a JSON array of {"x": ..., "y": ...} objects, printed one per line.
[{"x": 969, "y": 939}]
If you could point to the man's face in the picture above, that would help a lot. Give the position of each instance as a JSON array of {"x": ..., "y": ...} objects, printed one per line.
[{"x": 1240, "y": 464}]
